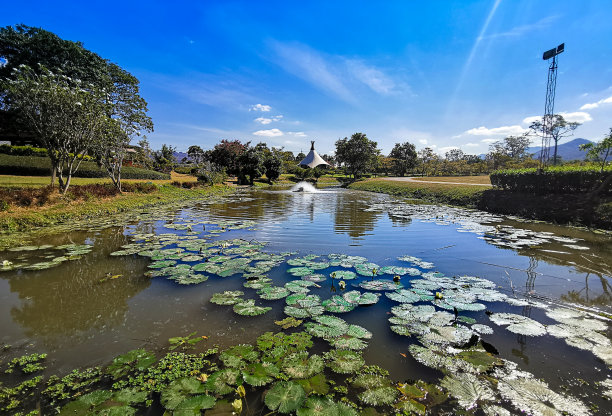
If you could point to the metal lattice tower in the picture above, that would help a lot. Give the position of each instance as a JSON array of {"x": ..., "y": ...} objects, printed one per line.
[{"x": 549, "y": 107}]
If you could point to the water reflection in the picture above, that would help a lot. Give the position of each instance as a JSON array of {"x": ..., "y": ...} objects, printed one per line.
[
  {"x": 352, "y": 217},
  {"x": 78, "y": 295}
]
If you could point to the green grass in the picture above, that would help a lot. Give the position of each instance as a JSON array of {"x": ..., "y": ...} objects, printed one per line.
[
  {"x": 42, "y": 219},
  {"x": 462, "y": 195}
]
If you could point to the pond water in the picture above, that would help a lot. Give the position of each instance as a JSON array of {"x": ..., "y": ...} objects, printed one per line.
[{"x": 538, "y": 294}]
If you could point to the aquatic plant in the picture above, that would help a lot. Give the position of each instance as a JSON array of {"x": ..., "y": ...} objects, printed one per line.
[
  {"x": 273, "y": 292},
  {"x": 186, "y": 342},
  {"x": 468, "y": 389},
  {"x": 285, "y": 396},
  {"x": 518, "y": 324},
  {"x": 138, "y": 359},
  {"x": 301, "y": 365},
  {"x": 344, "y": 361},
  {"x": 248, "y": 308},
  {"x": 27, "y": 364},
  {"x": 229, "y": 297},
  {"x": 358, "y": 298}
]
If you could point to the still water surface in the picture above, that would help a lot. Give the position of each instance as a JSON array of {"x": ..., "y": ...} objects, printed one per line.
[{"x": 80, "y": 318}]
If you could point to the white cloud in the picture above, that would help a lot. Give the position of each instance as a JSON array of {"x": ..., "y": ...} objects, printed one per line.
[
  {"x": 591, "y": 106},
  {"x": 423, "y": 141},
  {"x": 297, "y": 133},
  {"x": 488, "y": 140},
  {"x": 577, "y": 116},
  {"x": 447, "y": 148},
  {"x": 497, "y": 131},
  {"x": 268, "y": 133},
  {"x": 529, "y": 120},
  {"x": 264, "y": 120},
  {"x": 260, "y": 107},
  {"x": 472, "y": 144}
]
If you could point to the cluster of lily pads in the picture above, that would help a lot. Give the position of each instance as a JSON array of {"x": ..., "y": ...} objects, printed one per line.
[
  {"x": 484, "y": 224},
  {"x": 280, "y": 368},
  {"x": 44, "y": 256}
]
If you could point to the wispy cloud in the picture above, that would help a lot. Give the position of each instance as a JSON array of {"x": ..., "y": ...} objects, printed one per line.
[
  {"x": 471, "y": 145},
  {"x": 489, "y": 140},
  {"x": 521, "y": 30},
  {"x": 374, "y": 78},
  {"x": 260, "y": 107},
  {"x": 309, "y": 65},
  {"x": 297, "y": 134},
  {"x": 596, "y": 104},
  {"x": 335, "y": 75},
  {"x": 268, "y": 133}
]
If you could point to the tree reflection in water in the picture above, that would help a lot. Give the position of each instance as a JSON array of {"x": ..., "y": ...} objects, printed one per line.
[{"x": 79, "y": 295}]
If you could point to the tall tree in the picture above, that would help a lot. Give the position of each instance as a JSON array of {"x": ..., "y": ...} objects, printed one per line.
[
  {"x": 454, "y": 155},
  {"x": 226, "y": 154},
  {"x": 196, "y": 154},
  {"x": 599, "y": 152},
  {"x": 250, "y": 165},
  {"x": 555, "y": 127},
  {"x": 164, "y": 159},
  {"x": 273, "y": 165},
  {"x": 428, "y": 160},
  {"x": 404, "y": 157},
  {"x": 357, "y": 154},
  {"x": 66, "y": 115}
]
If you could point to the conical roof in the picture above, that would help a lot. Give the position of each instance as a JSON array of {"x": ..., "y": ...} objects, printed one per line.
[{"x": 312, "y": 159}]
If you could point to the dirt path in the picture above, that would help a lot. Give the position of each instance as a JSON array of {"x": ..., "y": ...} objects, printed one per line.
[{"x": 411, "y": 179}]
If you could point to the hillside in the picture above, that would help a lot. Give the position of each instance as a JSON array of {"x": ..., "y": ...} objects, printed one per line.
[{"x": 567, "y": 151}]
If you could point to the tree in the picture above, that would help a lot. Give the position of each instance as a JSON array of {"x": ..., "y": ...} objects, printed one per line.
[
  {"x": 273, "y": 165},
  {"x": 404, "y": 157},
  {"x": 164, "y": 159},
  {"x": 599, "y": 152},
  {"x": 196, "y": 154},
  {"x": 250, "y": 165},
  {"x": 144, "y": 154},
  {"x": 226, "y": 154},
  {"x": 428, "y": 160},
  {"x": 555, "y": 127},
  {"x": 65, "y": 115},
  {"x": 117, "y": 90},
  {"x": 357, "y": 154},
  {"x": 454, "y": 155},
  {"x": 41, "y": 51}
]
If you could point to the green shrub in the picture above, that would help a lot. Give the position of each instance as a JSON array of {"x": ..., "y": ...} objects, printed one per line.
[
  {"x": 38, "y": 166},
  {"x": 552, "y": 180},
  {"x": 186, "y": 170}
]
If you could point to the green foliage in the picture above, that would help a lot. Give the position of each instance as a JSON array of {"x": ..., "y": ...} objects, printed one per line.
[
  {"x": 344, "y": 361},
  {"x": 184, "y": 342},
  {"x": 133, "y": 360},
  {"x": 28, "y": 364},
  {"x": 37, "y": 166},
  {"x": 285, "y": 396},
  {"x": 76, "y": 382},
  {"x": 358, "y": 154},
  {"x": 404, "y": 158},
  {"x": 7, "y": 149},
  {"x": 552, "y": 180},
  {"x": 12, "y": 398}
]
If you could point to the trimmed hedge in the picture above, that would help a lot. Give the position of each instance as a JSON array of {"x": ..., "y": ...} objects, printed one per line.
[
  {"x": 38, "y": 166},
  {"x": 552, "y": 180},
  {"x": 7, "y": 149}
]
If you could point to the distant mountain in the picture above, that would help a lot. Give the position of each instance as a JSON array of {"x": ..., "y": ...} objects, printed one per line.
[
  {"x": 567, "y": 151},
  {"x": 180, "y": 155}
]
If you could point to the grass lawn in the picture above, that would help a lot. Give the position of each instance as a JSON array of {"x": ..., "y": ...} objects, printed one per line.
[
  {"x": 463, "y": 195},
  {"x": 480, "y": 180},
  {"x": 22, "y": 181}
]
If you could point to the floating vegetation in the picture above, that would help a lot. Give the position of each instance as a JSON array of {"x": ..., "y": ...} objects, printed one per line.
[
  {"x": 380, "y": 285},
  {"x": 285, "y": 396},
  {"x": 273, "y": 292},
  {"x": 344, "y": 361},
  {"x": 229, "y": 297},
  {"x": 518, "y": 324},
  {"x": 248, "y": 308},
  {"x": 343, "y": 274},
  {"x": 338, "y": 304},
  {"x": 358, "y": 298}
]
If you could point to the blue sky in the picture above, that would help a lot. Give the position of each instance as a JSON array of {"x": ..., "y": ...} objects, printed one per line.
[{"x": 439, "y": 73}]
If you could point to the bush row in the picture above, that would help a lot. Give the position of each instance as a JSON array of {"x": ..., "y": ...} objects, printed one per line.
[
  {"x": 552, "y": 180},
  {"x": 38, "y": 166}
]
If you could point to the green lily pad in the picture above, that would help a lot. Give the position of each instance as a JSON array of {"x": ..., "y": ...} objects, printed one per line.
[
  {"x": 229, "y": 297},
  {"x": 285, "y": 396},
  {"x": 248, "y": 308}
]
